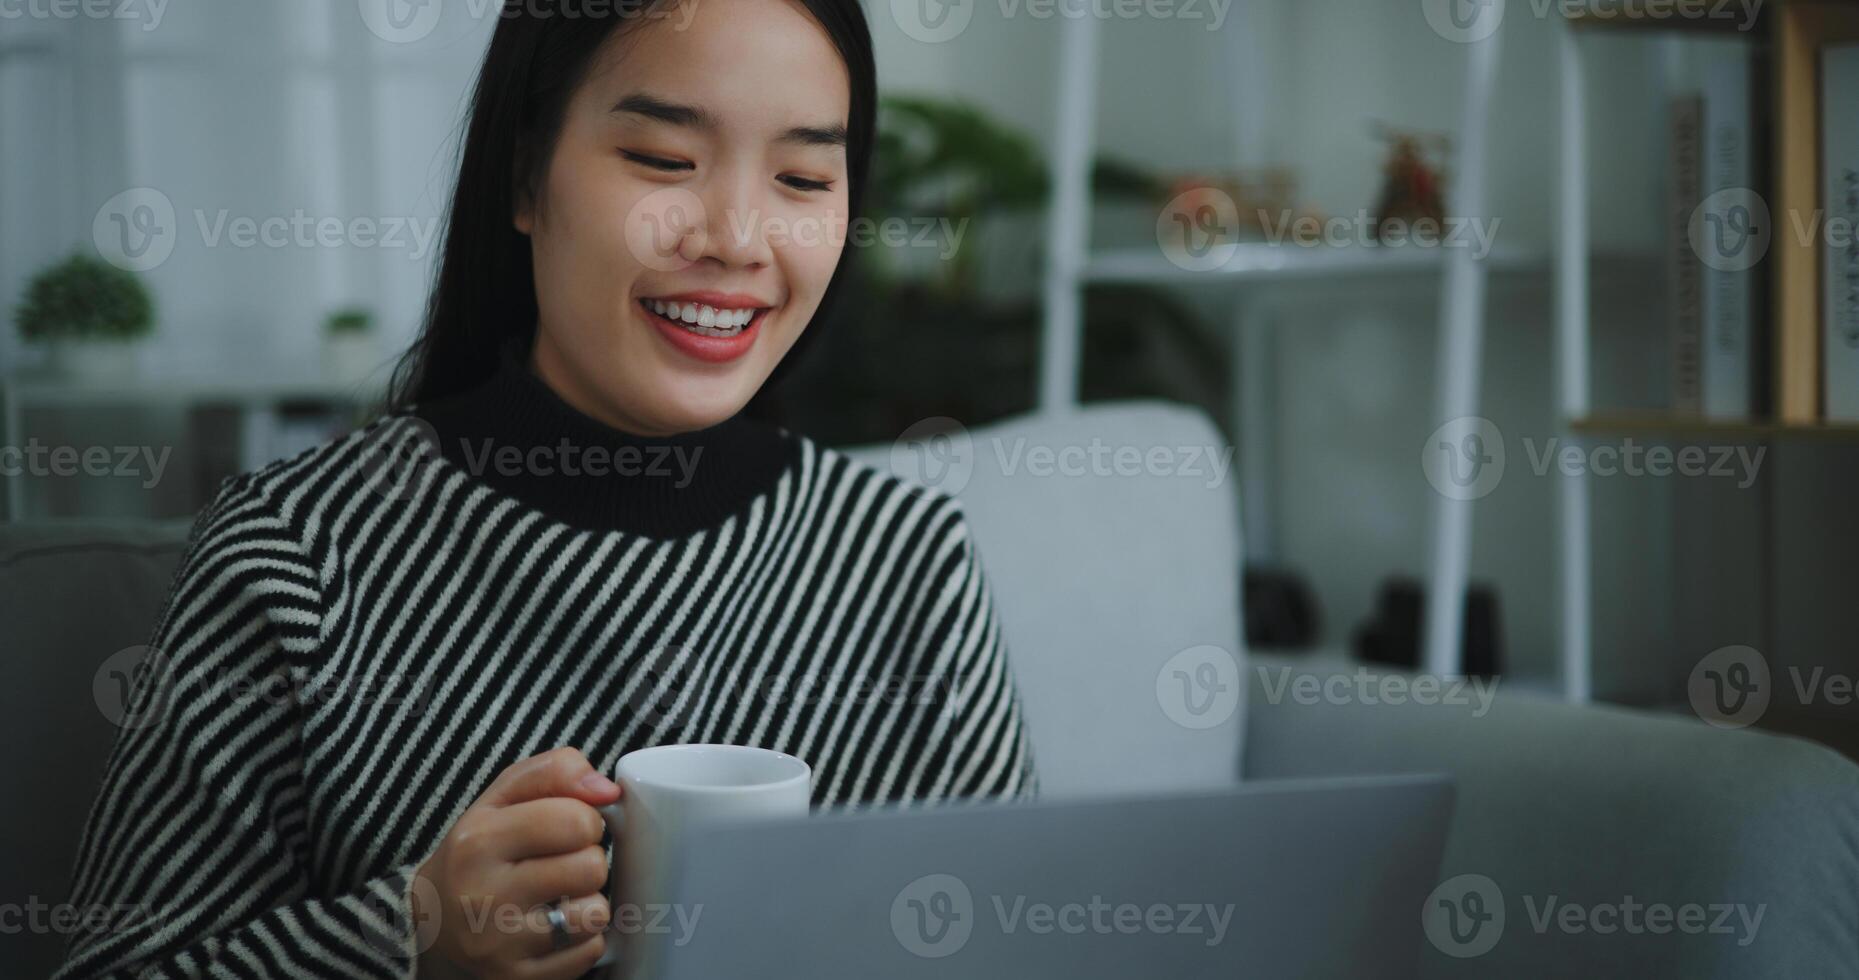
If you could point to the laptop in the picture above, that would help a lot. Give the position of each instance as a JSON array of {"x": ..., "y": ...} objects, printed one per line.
[{"x": 1296, "y": 878}]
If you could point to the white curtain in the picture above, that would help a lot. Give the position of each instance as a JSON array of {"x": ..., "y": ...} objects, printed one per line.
[{"x": 305, "y": 147}]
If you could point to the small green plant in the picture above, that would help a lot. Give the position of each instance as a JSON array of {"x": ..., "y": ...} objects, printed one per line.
[
  {"x": 351, "y": 320},
  {"x": 84, "y": 298}
]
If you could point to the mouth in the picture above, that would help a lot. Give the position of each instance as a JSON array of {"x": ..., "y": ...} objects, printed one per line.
[{"x": 716, "y": 331}]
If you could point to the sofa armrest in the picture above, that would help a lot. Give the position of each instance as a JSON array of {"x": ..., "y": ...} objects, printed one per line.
[{"x": 1606, "y": 810}]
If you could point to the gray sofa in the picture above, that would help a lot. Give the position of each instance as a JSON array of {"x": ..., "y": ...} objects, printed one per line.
[{"x": 1569, "y": 816}]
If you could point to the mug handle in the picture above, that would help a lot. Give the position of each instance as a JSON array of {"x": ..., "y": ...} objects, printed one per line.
[{"x": 616, "y": 825}]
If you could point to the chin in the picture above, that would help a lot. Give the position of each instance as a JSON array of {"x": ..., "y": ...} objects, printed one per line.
[{"x": 686, "y": 406}]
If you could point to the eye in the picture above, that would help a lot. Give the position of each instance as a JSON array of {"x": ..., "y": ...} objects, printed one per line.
[
  {"x": 804, "y": 184},
  {"x": 657, "y": 163}
]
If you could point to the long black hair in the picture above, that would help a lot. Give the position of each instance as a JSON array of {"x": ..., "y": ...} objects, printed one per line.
[{"x": 484, "y": 293}]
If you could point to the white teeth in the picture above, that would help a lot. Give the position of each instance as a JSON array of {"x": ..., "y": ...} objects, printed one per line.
[{"x": 706, "y": 320}]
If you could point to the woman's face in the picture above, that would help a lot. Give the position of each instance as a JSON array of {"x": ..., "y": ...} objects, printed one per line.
[{"x": 692, "y": 212}]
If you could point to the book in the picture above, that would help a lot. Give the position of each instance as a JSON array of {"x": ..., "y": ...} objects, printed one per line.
[
  {"x": 1728, "y": 235},
  {"x": 1684, "y": 273},
  {"x": 1839, "y": 196}
]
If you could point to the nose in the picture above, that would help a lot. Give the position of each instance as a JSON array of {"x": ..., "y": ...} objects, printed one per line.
[{"x": 737, "y": 222}]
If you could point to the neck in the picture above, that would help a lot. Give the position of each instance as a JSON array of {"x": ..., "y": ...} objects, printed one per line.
[{"x": 519, "y": 436}]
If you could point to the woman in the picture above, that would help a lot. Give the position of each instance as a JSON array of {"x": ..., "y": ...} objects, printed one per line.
[{"x": 394, "y": 670}]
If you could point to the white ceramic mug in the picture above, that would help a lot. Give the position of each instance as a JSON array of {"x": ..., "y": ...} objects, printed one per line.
[{"x": 666, "y": 790}]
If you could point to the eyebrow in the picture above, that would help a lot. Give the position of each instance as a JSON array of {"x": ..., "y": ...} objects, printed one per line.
[{"x": 676, "y": 114}]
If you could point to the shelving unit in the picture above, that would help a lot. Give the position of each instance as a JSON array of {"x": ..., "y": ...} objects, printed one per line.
[
  {"x": 256, "y": 401},
  {"x": 1071, "y": 265},
  {"x": 1794, "y": 29}
]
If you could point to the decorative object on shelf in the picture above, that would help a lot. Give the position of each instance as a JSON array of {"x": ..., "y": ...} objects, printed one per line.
[
  {"x": 1391, "y": 635},
  {"x": 1281, "y": 608},
  {"x": 1413, "y": 186},
  {"x": 349, "y": 350},
  {"x": 88, "y": 314},
  {"x": 1263, "y": 202}
]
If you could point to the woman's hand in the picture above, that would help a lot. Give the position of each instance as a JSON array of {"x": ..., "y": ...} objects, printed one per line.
[{"x": 531, "y": 839}]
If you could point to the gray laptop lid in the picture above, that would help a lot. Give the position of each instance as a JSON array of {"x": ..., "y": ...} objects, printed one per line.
[{"x": 1308, "y": 878}]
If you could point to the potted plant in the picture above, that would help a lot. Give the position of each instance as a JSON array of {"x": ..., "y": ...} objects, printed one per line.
[
  {"x": 348, "y": 344},
  {"x": 88, "y": 313}
]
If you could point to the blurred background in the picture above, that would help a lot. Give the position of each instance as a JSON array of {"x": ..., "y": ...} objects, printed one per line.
[{"x": 218, "y": 221}]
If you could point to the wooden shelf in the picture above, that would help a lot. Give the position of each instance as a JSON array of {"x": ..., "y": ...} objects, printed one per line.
[
  {"x": 1691, "y": 427},
  {"x": 1631, "y": 15}
]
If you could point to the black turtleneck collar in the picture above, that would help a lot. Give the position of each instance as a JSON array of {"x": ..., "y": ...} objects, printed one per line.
[{"x": 517, "y": 435}]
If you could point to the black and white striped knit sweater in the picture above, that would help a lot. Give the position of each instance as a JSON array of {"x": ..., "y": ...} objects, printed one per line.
[{"x": 359, "y": 639}]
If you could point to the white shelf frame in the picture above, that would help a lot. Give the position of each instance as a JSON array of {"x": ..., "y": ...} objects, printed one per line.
[{"x": 1071, "y": 266}]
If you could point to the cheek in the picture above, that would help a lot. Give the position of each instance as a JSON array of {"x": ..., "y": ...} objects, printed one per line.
[
  {"x": 812, "y": 257},
  {"x": 588, "y": 218}
]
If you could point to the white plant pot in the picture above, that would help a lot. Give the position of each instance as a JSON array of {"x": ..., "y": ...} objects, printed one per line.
[
  {"x": 93, "y": 360},
  {"x": 350, "y": 356}
]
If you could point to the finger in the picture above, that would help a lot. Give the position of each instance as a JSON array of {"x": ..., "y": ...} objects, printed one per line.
[
  {"x": 564, "y": 965},
  {"x": 585, "y": 916},
  {"x": 557, "y": 772},
  {"x": 544, "y": 879},
  {"x": 539, "y": 828}
]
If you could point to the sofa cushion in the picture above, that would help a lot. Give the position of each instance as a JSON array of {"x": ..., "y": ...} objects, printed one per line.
[
  {"x": 77, "y": 601},
  {"x": 1116, "y": 580}
]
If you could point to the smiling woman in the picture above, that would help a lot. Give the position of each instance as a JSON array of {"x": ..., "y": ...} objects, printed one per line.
[{"x": 623, "y": 271}]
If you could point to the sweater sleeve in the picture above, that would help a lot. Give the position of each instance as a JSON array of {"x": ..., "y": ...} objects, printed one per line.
[
  {"x": 195, "y": 858},
  {"x": 979, "y": 743}
]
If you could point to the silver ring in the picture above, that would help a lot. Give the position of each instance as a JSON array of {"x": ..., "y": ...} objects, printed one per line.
[{"x": 558, "y": 926}]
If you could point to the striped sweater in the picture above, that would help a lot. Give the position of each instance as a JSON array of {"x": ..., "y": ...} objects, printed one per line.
[{"x": 359, "y": 639}]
